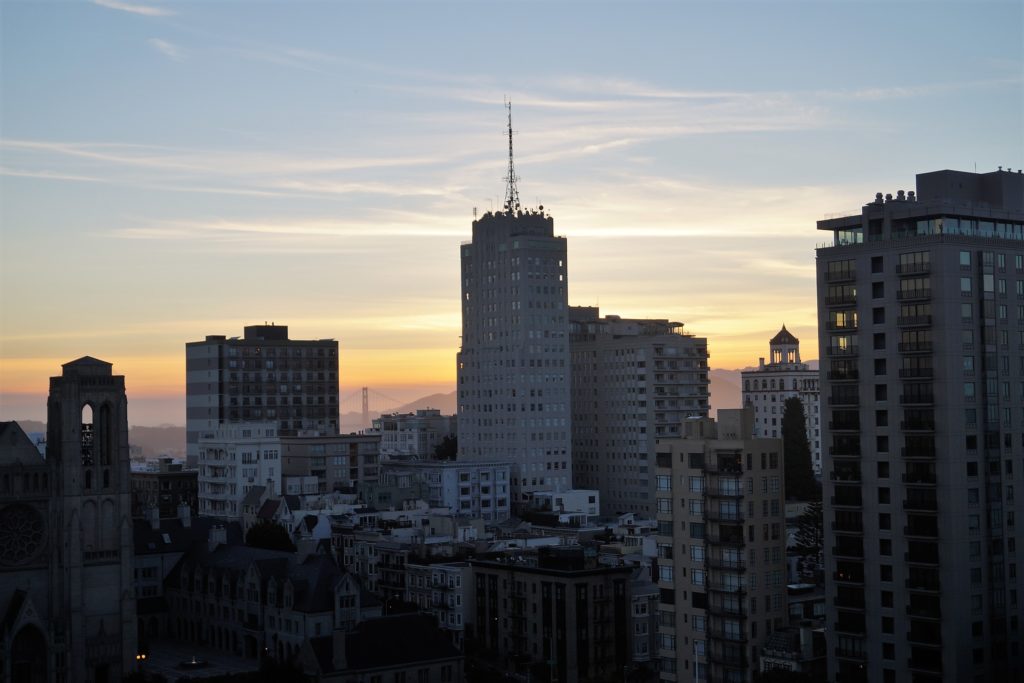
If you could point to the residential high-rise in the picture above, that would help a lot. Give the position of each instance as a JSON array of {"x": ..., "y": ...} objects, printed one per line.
[
  {"x": 784, "y": 376},
  {"x": 513, "y": 366},
  {"x": 264, "y": 376},
  {"x": 633, "y": 381},
  {"x": 921, "y": 327},
  {"x": 66, "y": 562},
  {"x": 721, "y": 547}
]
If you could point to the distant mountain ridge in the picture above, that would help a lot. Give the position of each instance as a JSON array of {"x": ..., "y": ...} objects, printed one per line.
[{"x": 153, "y": 441}]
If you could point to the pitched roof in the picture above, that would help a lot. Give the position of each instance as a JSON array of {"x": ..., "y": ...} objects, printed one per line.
[
  {"x": 87, "y": 361},
  {"x": 784, "y": 337},
  {"x": 16, "y": 447},
  {"x": 269, "y": 508},
  {"x": 252, "y": 498}
]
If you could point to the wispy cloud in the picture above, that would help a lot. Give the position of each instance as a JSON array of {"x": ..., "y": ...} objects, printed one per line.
[
  {"x": 134, "y": 8},
  {"x": 168, "y": 49}
]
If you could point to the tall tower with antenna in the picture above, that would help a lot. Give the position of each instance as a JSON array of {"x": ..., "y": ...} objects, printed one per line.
[
  {"x": 511, "y": 189},
  {"x": 513, "y": 367}
]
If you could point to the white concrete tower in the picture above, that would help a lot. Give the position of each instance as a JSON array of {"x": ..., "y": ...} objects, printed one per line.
[{"x": 513, "y": 367}]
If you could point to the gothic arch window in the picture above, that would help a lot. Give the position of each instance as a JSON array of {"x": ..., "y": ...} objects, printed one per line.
[
  {"x": 106, "y": 479},
  {"x": 88, "y": 479},
  {"x": 106, "y": 441},
  {"x": 87, "y": 435}
]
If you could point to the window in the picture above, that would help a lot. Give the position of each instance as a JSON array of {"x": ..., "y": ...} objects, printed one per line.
[
  {"x": 965, "y": 258},
  {"x": 965, "y": 285},
  {"x": 877, "y": 290}
]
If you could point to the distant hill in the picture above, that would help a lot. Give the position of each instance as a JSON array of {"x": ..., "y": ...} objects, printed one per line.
[
  {"x": 151, "y": 441},
  {"x": 726, "y": 390},
  {"x": 446, "y": 403}
]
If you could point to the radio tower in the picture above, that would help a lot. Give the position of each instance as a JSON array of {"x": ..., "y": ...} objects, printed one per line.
[{"x": 511, "y": 191}]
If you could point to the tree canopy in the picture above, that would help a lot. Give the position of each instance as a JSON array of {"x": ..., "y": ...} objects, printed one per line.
[
  {"x": 800, "y": 482},
  {"x": 447, "y": 449}
]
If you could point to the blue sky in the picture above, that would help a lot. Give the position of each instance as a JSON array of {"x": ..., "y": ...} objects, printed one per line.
[{"x": 170, "y": 170}]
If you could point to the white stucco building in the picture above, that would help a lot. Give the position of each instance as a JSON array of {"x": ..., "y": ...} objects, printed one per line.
[
  {"x": 784, "y": 376},
  {"x": 234, "y": 459}
]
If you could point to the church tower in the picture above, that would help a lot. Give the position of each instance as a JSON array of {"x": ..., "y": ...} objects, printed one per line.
[{"x": 93, "y": 597}]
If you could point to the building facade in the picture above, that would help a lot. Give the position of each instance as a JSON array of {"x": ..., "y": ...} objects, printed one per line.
[
  {"x": 480, "y": 490},
  {"x": 264, "y": 376},
  {"x": 344, "y": 462},
  {"x": 234, "y": 460},
  {"x": 66, "y": 561},
  {"x": 633, "y": 381},
  {"x": 921, "y": 320},
  {"x": 569, "y": 617},
  {"x": 164, "y": 485},
  {"x": 784, "y": 376},
  {"x": 721, "y": 549},
  {"x": 414, "y": 435},
  {"x": 443, "y": 590}
]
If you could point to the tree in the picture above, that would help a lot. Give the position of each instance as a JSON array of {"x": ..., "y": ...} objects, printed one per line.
[
  {"x": 810, "y": 539},
  {"x": 269, "y": 536},
  {"x": 800, "y": 481},
  {"x": 447, "y": 449}
]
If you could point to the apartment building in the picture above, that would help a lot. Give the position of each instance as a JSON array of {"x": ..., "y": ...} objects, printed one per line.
[
  {"x": 921, "y": 324},
  {"x": 479, "y": 489},
  {"x": 342, "y": 462},
  {"x": 262, "y": 376},
  {"x": 633, "y": 381},
  {"x": 560, "y": 612},
  {"x": 414, "y": 435},
  {"x": 721, "y": 547},
  {"x": 784, "y": 376},
  {"x": 233, "y": 460}
]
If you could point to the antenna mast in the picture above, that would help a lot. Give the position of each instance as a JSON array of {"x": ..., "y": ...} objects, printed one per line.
[{"x": 511, "y": 191}]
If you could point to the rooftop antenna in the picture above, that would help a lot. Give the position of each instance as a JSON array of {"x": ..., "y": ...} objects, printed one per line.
[{"x": 511, "y": 191}]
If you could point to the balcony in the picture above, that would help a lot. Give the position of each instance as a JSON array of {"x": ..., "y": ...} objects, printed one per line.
[
  {"x": 842, "y": 351},
  {"x": 725, "y": 587},
  {"x": 849, "y": 425},
  {"x": 918, "y": 425},
  {"x": 840, "y": 276},
  {"x": 913, "y": 294},
  {"x": 918, "y": 451},
  {"x": 923, "y": 503},
  {"x": 915, "y": 268},
  {"x": 841, "y": 300},
  {"x": 853, "y": 400},
  {"x": 915, "y": 373},
  {"x": 714, "y": 562},
  {"x": 835, "y": 326},
  {"x": 921, "y": 531},
  {"x": 845, "y": 450},
  {"x": 930, "y": 663},
  {"x": 919, "y": 478},
  {"x": 917, "y": 399},
  {"x": 731, "y": 636},
  {"x": 734, "y": 516},
  {"x": 850, "y": 552},
  {"x": 914, "y": 320},
  {"x": 843, "y": 375},
  {"x": 716, "y": 489},
  {"x": 848, "y": 577},
  {"x": 915, "y": 347},
  {"x": 848, "y": 527},
  {"x": 924, "y": 611},
  {"x": 851, "y": 653},
  {"x": 727, "y": 609},
  {"x": 923, "y": 584},
  {"x": 728, "y": 658},
  {"x": 726, "y": 539}
]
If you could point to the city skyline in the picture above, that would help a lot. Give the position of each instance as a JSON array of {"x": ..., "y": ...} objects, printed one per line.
[{"x": 318, "y": 165}]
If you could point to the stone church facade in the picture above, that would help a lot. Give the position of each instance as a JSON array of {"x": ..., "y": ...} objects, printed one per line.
[{"x": 67, "y": 601}]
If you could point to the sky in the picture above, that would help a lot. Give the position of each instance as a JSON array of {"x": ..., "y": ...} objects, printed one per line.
[{"x": 170, "y": 170}]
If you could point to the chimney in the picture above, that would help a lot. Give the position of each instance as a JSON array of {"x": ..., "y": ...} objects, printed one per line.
[
  {"x": 185, "y": 514},
  {"x": 338, "y": 642},
  {"x": 218, "y": 536},
  {"x": 153, "y": 517}
]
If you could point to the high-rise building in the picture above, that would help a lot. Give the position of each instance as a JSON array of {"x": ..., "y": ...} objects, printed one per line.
[
  {"x": 264, "y": 376},
  {"x": 513, "y": 366},
  {"x": 721, "y": 546},
  {"x": 921, "y": 326},
  {"x": 66, "y": 563},
  {"x": 784, "y": 376},
  {"x": 633, "y": 381}
]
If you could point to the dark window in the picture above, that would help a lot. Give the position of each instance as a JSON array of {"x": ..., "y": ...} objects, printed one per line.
[
  {"x": 877, "y": 290},
  {"x": 876, "y": 264},
  {"x": 878, "y": 316}
]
